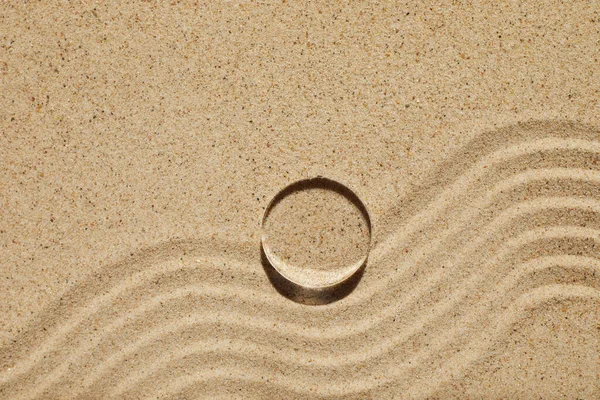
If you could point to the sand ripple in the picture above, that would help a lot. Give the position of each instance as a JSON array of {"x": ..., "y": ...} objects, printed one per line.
[{"x": 508, "y": 225}]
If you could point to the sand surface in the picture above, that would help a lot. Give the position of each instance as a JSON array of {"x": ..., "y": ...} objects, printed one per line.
[{"x": 141, "y": 143}]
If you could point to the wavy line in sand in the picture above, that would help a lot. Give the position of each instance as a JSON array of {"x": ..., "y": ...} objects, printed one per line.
[
  {"x": 554, "y": 173},
  {"x": 586, "y": 265},
  {"x": 518, "y": 310},
  {"x": 454, "y": 369},
  {"x": 573, "y": 205},
  {"x": 520, "y": 210},
  {"x": 542, "y": 125},
  {"x": 461, "y": 162},
  {"x": 461, "y": 185},
  {"x": 339, "y": 360},
  {"x": 519, "y": 179}
]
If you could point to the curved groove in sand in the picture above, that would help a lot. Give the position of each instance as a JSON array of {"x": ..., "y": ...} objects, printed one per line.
[
  {"x": 248, "y": 296},
  {"x": 344, "y": 359},
  {"x": 450, "y": 196},
  {"x": 93, "y": 307},
  {"x": 519, "y": 211},
  {"x": 530, "y": 300},
  {"x": 235, "y": 320},
  {"x": 579, "y": 263},
  {"x": 477, "y": 171},
  {"x": 288, "y": 329},
  {"x": 519, "y": 179},
  {"x": 455, "y": 367}
]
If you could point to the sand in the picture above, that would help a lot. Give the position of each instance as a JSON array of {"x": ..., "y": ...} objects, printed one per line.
[{"x": 142, "y": 143}]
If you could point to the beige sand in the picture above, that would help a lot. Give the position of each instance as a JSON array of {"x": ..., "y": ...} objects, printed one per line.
[{"x": 141, "y": 144}]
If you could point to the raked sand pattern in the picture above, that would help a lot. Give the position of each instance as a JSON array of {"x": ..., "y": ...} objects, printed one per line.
[{"x": 506, "y": 230}]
